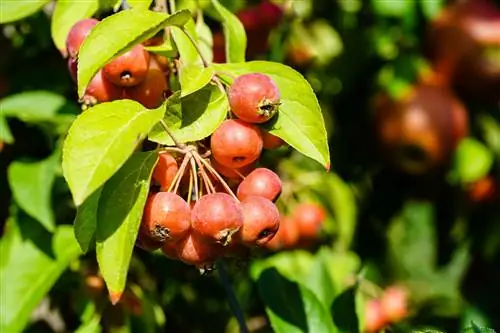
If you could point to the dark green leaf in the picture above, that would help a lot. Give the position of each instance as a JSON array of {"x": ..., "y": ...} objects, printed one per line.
[
  {"x": 85, "y": 223},
  {"x": 478, "y": 329},
  {"x": 29, "y": 271},
  {"x": 472, "y": 161},
  {"x": 194, "y": 78},
  {"x": 291, "y": 307},
  {"x": 119, "y": 214},
  {"x": 31, "y": 185},
  {"x": 117, "y": 34},
  {"x": 100, "y": 141},
  {"x": 11, "y": 11},
  {"x": 299, "y": 121},
  {"x": 193, "y": 117},
  {"x": 346, "y": 310},
  {"x": 66, "y": 14}
]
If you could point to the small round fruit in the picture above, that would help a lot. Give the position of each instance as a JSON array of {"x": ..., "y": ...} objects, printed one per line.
[
  {"x": 374, "y": 316},
  {"x": 254, "y": 98},
  {"x": 261, "y": 182},
  {"x": 128, "y": 69},
  {"x": 309, "y": 218},
  {"x": 236, "y": 143},
  {"x": 231, "y": 172},
  {"x": 271, "y": 141},
  {"x": 287, "y": 236},
  {"x": 169, "y": 249},
  {"x": 147, "y": 243},
  {"x": 165, "y": 170},
  {"x": 270, "y": 14},
  {"x": 194, "y": 250},
  {"x": 166, "y": 217},
  {"x": 73, "y": 69},
  {"x": 394, "y": 303},
  {"x": 216, "y": 217},
  {"x": 77, "y": 34},
  {"x": 152, "y": 91},
  {"x": 261, "y": 220},
  {"x": 100, "y": 90}
]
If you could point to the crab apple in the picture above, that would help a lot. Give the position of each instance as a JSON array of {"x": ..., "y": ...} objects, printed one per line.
[
  {"x": 77, "y": 34},
  {"x": 231, "y": 172},
  {"x": 100, "y": 90},
  {"x": 169, "y": 249},
  {"x": 254, "y": 98},
  {"x": 128, "y": 69},
  {"x": 236, "y": 143},
  {"x": 483, "y": 190},
  {"x": 216, "y": 217},
  {"x": 260, "y": 182},
  {"x": 271, "y": 14},
  {"x": 195, "y": 250},
  {"x": 153, "y": 90},
  {"x": 261, "y": 220},
  {"x": 286, "y": 237},
  {"x": 145, "y": 242},
  {"x": 166, "y": 217},
  {"x": 271, "y": 141},
  {"x": 375, "y": 318},
  {"x": 165, "y": 170},
  {"x": 394, "y": 303},
  {"x": 309, "y": 218},
  {"x": 73, "y": 69}
]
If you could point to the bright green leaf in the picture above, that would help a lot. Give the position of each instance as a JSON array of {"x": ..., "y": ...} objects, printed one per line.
[
  {"x": 193, "y": 117},
  {"x": 5, "y": 133},
  {"x": 66, "y": 14},
  {"x": 472, "y": 160},
  {"x": 31, "y": 185},
  {"x": 393, "y": 8},
  {"x": 291, "y": 307},
  {"x": 188, "y": 54},
  {"x": 85, "y": 223},
  {"x": 294, "y": 265},
  {"x": 235, "y": 38},
  {"x": 320, "y": 282},
  {"x": 117, "y": 34},
  {"x": 194, "y": 78},
  {"x": 299, "y": 121},
  {"x": 164, "y": 49},
  {"x": 30, "y": 265},
  {"x": 141, "y": 4},
  {"x": 100, "y": 140},
  {"x": 13, "y": 10},
  {"x": 120, "y": 211},
  {"x": 205, "y": 39},
  {"x": 432, "y": 8}
]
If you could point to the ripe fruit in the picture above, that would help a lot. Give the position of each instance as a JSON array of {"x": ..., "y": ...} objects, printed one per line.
[
  {"x": 420, "y": 132},
  {"x": 261, "y": 182},
  {"x": 374, "y": 316},
  {"x": 309, "y": 218},
  {"x": 271, "y": 141},
  {"x": 77, "y": 34},
  {"x": 394, "y": 303},
  {"x": 483, "y": 190},
  {"x": 153, "y": 90},
  {"x": 216, "y": 217},
  {"x": 100, "y": 90},
  {"x": 261, "y": 220},
  {"x": 169, "y": 249},
  {"x": 270, "y": 14},
  {"x": 236, "y": 143},
  {"x": 254, "y": 97},
  {"x": 73, "y": 69},
  {"x": 286, "y": 237},
  {"x": 194, "y": 250},
  {"x": 128, "y": 69},
  {"x": 166, "y": 217},
  {"x": 145, "y": 242},
  {"x": 231, "y": 172},
  {"x": 165, "y": 170}
]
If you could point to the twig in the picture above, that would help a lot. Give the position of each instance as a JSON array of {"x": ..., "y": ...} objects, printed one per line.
[
  {"x": 203, "y": 60},
  {"x": 231, "y": 297},
  {"x": 171, "y": 135}
]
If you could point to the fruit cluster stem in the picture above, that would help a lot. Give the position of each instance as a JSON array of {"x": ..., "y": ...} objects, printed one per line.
[
  {"x": 231, "y": 296},
  {"x": 171, "y": 135}
]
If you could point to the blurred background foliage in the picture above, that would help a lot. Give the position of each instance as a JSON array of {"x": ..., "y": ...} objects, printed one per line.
[{"x": 430, "y": 223}]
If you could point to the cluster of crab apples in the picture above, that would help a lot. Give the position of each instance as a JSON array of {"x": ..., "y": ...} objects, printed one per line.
[{"x": 137, "y": 74}]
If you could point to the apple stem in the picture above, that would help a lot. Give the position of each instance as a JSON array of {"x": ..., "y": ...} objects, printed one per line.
[
  {"x": 178, "y": 176},
  {"x": 171, "y": 135},
  {"x": 195, "y": 178},
  {"x": 206, "y": 180},
  {"x": 231, "y": 296},
  {"x": 192, "y": 175}
]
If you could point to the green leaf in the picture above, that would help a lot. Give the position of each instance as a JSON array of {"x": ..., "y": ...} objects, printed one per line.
[
  {"x": 15, "y": 10},
  {"x": 294, "y": 265},
  {"x": 5, "y": 133},
  {"x": 205, "y": 39},
  {"x": 66, "y": 14},
  {"x": 141, "y": 4},
  {"x": 31, "y": 185},
  {"x": 194, "y": 78},
  {"x": 119, "y": 33},
  {"x": 291, "y": 307},
  {"x": 394, "y": 8},
  {"x": 235, "y": 37},
  {"x": 320, "y": 282},
  {"x": 85, "y": 223},
  {"x": 299, "y": 121},
  {"x": 472, "y": 161},
  {"x": 119, "y": 214},
  {"x": 37, "y": 106},
  {"x": 100, "y": 140},
  {"x": 30, "y": 265},
  {"x": 187, "y": 51},
  {"x": 164, "y": 49},
  {"x": 346, "y": 310},
  {"x": 478, "y": 329},
  {"x": 193, "y": 117},
  {"x": 432, "y": 8}
]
